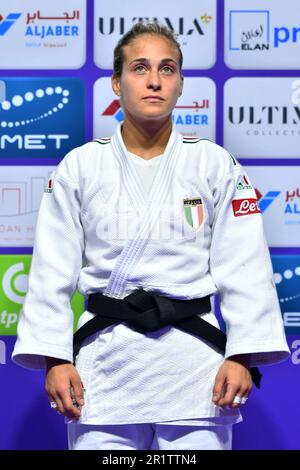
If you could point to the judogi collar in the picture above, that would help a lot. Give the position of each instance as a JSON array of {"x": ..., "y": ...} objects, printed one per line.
[{"x": 149, "y": 206}]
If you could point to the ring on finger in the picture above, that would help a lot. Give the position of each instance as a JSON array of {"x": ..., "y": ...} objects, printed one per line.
[
  {"x": 237, "y": 400},
  {"x": 53, "y": 405}
]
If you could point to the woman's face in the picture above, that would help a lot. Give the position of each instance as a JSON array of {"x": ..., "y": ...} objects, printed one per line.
[{"x": 151, "y": 82}]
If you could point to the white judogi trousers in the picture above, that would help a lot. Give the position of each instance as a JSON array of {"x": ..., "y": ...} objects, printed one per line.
[{"x": 148, "y": 436}]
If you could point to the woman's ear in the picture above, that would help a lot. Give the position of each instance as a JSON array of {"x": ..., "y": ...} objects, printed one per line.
[
  {"x": 181, "y": 87},
  {"x": 115, "y": 83}
]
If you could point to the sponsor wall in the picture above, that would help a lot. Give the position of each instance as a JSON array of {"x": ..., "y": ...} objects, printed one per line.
[{"x": 242, "y": 90}]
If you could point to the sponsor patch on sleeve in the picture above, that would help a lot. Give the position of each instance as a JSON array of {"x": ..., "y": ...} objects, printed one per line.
[
  {"x": 49, "y": 187},
  {"x": 243, "y": 183},
  {"x": 245, "y": 207}
]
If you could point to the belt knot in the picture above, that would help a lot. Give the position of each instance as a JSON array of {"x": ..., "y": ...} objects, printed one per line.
[{"x": 151, "y": 311}]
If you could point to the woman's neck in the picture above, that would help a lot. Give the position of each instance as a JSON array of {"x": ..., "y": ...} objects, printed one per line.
[{"x": 147, "y": 140}]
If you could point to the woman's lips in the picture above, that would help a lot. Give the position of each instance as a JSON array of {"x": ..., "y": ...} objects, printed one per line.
[{"x": 153, "y": 99}]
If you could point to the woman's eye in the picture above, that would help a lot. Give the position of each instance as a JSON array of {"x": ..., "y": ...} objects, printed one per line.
[
  {"x": 140, "y": 68},
  {"x": 167, "y": 70}
]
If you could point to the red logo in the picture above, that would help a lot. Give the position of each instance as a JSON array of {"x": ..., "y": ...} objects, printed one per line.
[
  {"x": 49, "y": 187},
  {"x": 245, "y": 207}
]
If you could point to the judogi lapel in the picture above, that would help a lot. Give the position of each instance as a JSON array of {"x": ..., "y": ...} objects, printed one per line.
[{"x": 148, "y": 206}]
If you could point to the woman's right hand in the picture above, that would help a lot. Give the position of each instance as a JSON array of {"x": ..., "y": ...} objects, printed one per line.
[{"x": 63, "y": 380}]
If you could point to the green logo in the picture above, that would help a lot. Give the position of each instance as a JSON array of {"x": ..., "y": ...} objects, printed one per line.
[{"x": 14, "y": 270}]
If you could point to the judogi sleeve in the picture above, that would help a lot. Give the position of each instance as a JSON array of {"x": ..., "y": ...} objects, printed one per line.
[
  {"x": 46, "y": 323},
  {"x": 241, "y": 268}
]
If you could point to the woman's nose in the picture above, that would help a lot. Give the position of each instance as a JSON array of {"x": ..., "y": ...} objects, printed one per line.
[{"x": 154, "y": 80}]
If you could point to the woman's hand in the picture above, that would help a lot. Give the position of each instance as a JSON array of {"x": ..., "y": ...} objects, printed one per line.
[
  {"x": 64, "y": 387},
  {"x": 233, "y": 380}
]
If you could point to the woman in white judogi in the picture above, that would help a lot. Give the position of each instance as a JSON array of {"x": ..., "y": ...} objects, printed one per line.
[{"x": 114, "y": 218}]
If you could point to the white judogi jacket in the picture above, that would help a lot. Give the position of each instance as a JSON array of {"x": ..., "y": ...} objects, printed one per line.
[{"x": 198, "y": 231}]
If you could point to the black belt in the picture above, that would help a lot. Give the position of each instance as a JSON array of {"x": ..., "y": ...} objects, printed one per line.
[{"x": 146, "y": 311}]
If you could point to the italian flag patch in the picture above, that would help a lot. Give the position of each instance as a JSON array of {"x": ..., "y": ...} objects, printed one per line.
[{"x": 194, "y": 212}]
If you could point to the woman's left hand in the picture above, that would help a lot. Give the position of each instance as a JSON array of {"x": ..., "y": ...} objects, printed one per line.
[{"x": 233, "y": 382}]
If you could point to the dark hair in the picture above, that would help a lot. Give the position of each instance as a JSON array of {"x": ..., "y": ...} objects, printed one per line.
[{"x": 137, "y": 30}]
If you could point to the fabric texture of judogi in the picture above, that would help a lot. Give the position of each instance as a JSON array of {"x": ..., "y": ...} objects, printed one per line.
[{"x": 99, "y": 229}]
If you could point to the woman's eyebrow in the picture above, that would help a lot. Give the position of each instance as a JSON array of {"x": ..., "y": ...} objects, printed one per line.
[
  {"x": 143, "y": 59},
  {"x": 167, "y": 61}
]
